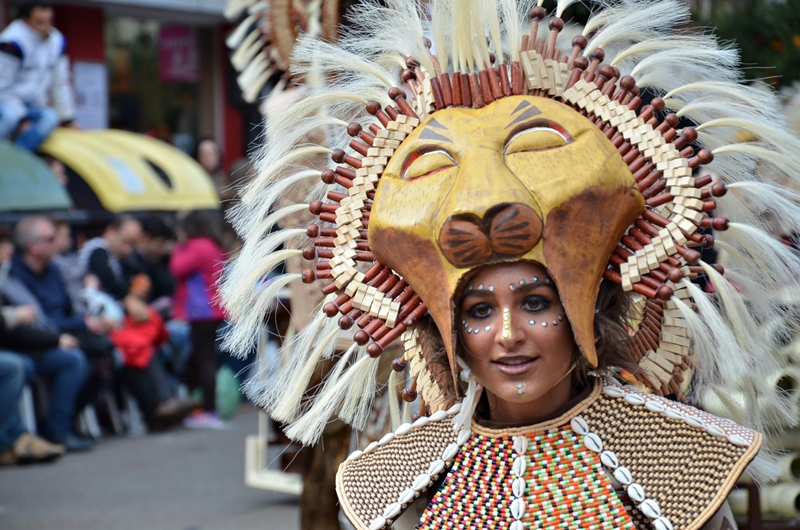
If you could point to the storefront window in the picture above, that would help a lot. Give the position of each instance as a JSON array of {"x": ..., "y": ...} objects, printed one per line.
[{"x": 153, "y": 71}]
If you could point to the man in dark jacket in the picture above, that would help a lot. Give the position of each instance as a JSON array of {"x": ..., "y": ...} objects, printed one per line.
[{"x": 49, "y": 343}]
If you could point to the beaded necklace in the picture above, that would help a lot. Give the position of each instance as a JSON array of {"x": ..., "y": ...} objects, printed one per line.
[{"x": 546, "y": 479}]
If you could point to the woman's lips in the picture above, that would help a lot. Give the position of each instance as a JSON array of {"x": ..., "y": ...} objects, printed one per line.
[{"x": 514, "y": 365}]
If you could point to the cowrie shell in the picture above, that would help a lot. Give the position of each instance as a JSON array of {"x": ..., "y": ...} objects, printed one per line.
[
  {"x": 634, "y": 399},
  {"x": 518, "y": 487},
  {"x": 715, "y": 430},
  {"x": 439, "y": 415},
  {"x": 613, "y": 391},
  {"x": 520, "y": 444},
  {"x": 654, "y": 406},
  {"x": 623, "y": 476},
  {"x": 662, "y": 523},
  {"x": 354, "y": 455},
  {"x": 650, "y": 508},
  {"x": 388, "y": 437},
  {"x": 593, "y": 443},
  {"x": 378, "y": 523},
  {"x": 694, "y": 421},
  {"x": 421, "y": 482},
  {"x": 407, "y": 496},
  {"x": 392, "y": 511},
  {"x": 463, "y": 436},
  {"x": 371, "y": 447},
  {"x": 421, "y": 422},
  {"x": 636, "y": 492},
  {"x": 403, "y": 429},
  {"x": 579, "y": 425},
  {"x": 519, "y": 466},
  {"x": 735, "y": 439},
  {"x": 609, "y": 459},
  {"x": 673, "y": 414},
  {"x": 450, "y": 452},
  {"x": 436, "y": 467},
  {"x": 517, "y": 525},
  {"x": 518, "y": 508}
]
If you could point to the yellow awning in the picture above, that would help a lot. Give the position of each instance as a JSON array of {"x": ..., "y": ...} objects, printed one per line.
[{"x": 131, "y": 172}]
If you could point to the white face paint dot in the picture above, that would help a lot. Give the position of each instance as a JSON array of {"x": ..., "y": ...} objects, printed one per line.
[
  {"x": 544, "y": 324},
  {"x": 491, "y": 288},
  {"x": 469, "y": 288},
  {"x": 487, "y": 328},
  {"x": 522, "y": 282},
  {"x": 535, "y": 279},
  {"x": 555, "y": 322},
  {"x": 511, "y": 286},
  {"x": 480, "y": 287},
  {"x": 531, "y": 322},
  {"x": 560, "y": 318}
]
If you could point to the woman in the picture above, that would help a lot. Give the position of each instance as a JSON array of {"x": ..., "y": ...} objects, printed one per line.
[
  {"x": 529, "y": 229},
  {"x": 196, "y": 263}
]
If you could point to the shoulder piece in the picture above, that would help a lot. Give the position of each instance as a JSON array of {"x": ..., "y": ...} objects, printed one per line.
[
  {"x": 676, "y": 462},
  {"x": 376, "y": 486}
]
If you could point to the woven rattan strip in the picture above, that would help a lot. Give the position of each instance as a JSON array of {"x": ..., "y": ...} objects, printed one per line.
[
  {"x": 687, "y": 471},
  {"x": 376, "y": 480}
]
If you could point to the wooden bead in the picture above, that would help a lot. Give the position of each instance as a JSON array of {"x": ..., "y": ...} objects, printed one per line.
[
  {"x": 475, "y": 91},
  {"x": 502, "y": 75},
  {"x": 466, "y": 94},
  {"x": 438, "y": 96},
  {"x": 345, "y": 322},
  {"x": 399, "y": 364},
  {"x": 447, "y": 89},
  {"x": 391, "y": 112}
]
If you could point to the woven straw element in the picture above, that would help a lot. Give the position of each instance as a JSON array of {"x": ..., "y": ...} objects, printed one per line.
[
  {"x": 687, "y": 471},
  {"x": 367, "y": 485}
]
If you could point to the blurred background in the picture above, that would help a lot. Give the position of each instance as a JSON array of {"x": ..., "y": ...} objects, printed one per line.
[{"x": 118, "y": 409}]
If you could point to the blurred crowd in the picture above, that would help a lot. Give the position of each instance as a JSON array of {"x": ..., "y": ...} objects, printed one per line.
[{"x": 131, "y": 315}]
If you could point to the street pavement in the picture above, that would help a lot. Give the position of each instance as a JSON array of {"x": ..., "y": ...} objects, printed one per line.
[{"x": 178, "y": 480}]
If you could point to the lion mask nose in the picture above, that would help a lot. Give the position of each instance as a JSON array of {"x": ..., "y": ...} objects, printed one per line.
[{"x": 506, "y": 230}]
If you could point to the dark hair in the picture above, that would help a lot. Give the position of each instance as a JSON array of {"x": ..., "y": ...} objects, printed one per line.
[
  {"x": 120, "y": 220},
  {"x": 155, "y": 225},
  {"x": 203, "y": 223},
  {"x": 25, "y": 10},
  {"x": 5, "y": 234},
  {"x": 612, "y": 342}
]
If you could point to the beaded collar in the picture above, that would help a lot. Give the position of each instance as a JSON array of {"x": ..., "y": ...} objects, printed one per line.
[{"x": 617, "y": 458}]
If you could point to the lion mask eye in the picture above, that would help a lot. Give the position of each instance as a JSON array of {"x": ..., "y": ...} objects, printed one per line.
[
  {"x": 536, "y": 139},
  {"x": 425, "y": 164}
]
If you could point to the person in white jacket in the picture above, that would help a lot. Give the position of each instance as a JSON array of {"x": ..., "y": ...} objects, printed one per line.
[{"x": 35, "y": 91}]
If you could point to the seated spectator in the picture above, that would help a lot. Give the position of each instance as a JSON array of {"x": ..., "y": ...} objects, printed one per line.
[
  {"x": 151, "y": 258},
  {"x": 196, "y": 263},
  {"x": 17, "y": 445},
  {"x": 66, "y": 259},
  {"x": 137, "y": 340},
  {"x": 35, "y": 93},
  {"x": 47, "y": 352},
  {"x": 102, "y": 256}
]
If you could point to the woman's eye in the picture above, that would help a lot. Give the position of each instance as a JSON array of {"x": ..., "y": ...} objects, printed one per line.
[
  {"x": 421, "y": 165},
  {"x": 535, "y": 139},
  {"x": 535, "y": 304},
  {"x": 480, "y": 311}
]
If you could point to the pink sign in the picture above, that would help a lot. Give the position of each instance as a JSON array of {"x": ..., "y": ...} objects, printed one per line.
[{"x": 177, "y": 55}]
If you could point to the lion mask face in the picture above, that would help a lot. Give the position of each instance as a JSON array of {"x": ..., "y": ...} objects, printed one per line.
[{"x": 524, "y": 178}]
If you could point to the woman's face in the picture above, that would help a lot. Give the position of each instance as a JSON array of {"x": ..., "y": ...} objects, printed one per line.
[{"x": 515, "y": 336}]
